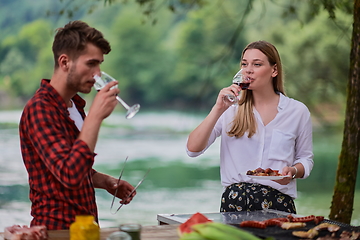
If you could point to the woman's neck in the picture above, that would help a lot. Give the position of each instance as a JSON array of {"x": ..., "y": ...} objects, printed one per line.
[{"x": 267, "y": 97}]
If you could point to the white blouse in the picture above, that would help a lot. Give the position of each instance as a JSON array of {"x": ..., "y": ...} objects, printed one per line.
[{"x": 285, "y": 141}]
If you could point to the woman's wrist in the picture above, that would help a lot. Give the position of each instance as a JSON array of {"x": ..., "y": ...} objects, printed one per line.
[{"x": 296, "y": 171}]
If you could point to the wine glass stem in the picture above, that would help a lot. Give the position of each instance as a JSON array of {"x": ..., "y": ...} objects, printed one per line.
[{"x": 122, "y": 103}]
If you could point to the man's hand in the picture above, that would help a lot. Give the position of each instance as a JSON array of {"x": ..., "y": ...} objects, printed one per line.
[
  {"x": 124, "y": 190},
  {"x": 103, "y": 104},
  {"x": 109, "y": 183},
  {"x": 105, "y": 101}
]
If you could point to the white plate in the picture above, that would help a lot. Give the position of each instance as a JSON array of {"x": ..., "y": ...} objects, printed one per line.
[{"x": 266, "y": 177}]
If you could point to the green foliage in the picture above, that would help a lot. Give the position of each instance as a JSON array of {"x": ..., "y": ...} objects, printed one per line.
[
  {"x": 315, "y": 7},
  {"x": 15, "y": 14},
  {"x": 322, "y": 52},
  {"x": 315, "y": 57},
  {"x": 138, "y": 58},
  {"x": 200, "y": 48},
  {"x": 23, "y": 53},
  {"x": 185, "y": 59}
]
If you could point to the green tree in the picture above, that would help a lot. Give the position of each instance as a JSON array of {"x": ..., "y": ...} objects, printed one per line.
[
  {"x": 310, "y": 75},
  {"x": 22, "y": 56},
  {"x": 343, "y": 198},
  {"x": 138, "y": 59},
  {"x": 205, "y": 59}
]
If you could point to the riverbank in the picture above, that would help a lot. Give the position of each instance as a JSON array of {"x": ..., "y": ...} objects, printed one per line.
[{"x": 176, "y": 183}]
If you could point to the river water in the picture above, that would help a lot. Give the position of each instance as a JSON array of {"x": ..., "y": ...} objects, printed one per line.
[{"x": 175, "y": 184}]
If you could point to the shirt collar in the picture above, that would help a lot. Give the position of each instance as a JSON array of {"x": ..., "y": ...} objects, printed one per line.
[
  {"x": 283, "y": 102},
  {"x": 79, "y": 102}
]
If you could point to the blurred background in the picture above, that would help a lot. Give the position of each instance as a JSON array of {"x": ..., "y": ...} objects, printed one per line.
[{"x": 173, "y": 60}]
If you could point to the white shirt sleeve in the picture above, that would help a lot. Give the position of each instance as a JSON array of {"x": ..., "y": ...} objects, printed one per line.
[{"x": 216, "y": 132}]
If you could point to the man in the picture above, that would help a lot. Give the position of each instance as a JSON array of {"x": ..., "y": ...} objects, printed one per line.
[{"x": 58, "y": 142}]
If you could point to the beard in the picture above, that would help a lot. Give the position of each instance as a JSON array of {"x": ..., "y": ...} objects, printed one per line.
[{"x": 73, "y": 82}]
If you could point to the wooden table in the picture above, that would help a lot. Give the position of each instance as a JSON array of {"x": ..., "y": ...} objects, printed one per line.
[{"x": 159, "y": 232}]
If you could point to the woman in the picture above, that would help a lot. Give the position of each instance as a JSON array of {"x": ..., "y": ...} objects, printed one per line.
[{"x": 265, "y": 129}]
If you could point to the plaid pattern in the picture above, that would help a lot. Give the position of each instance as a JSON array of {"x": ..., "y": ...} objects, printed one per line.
[
  {"x": 59, "y": 166},
  {"x": 253, "y": 196}
]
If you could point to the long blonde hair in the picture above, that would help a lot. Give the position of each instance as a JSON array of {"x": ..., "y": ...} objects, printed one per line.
[{"x": 244, "y": 120}]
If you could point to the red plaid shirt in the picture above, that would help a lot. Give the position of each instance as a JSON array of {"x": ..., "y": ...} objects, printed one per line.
[{"x": 59, "y": 165}]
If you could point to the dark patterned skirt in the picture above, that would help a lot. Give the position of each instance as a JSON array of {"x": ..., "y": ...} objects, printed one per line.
[{"x": 253, "y": 196}]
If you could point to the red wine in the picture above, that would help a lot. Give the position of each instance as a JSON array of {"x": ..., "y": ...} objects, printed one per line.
[{"x": 243, "y": 85}]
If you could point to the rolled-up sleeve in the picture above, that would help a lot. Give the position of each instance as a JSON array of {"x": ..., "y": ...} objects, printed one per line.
[
  {"x": 304, "y": 147},
  {"x": 216, "y": 132}
]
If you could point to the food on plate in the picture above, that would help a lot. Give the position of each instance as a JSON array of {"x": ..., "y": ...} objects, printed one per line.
[
  {"x": 17, "y": 232},
  {"x": 263, "y": 172}
]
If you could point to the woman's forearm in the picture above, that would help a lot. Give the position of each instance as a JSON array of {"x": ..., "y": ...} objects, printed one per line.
[{"x": 199, "y": 137}]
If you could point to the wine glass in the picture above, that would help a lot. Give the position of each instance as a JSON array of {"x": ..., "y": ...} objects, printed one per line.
[
  {"x": 240, "y": 80},
  {"x": 101, "y": 81}
]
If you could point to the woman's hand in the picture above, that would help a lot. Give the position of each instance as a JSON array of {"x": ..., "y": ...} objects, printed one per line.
[
  {"x": 284, "y": 181},
  {"x": 289, "y": 172},
  {"x": 222, "y": 102},
  {"x": 199, "y": 137}
]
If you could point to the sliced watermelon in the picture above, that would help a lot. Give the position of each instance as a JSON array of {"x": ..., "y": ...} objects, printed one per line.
[{"x": 194, "y": 219}]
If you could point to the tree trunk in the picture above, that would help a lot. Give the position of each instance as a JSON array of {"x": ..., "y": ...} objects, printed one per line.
[{"x": 343, "y": 198}]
